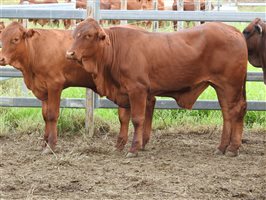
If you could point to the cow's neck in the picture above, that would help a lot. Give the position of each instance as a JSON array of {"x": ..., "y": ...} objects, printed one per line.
[
  {"x": 107, "y": 84},
  {"x": 23, "y": 64}
]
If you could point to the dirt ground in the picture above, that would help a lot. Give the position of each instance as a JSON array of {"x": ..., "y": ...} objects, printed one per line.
[{"x": 177, "y": 164}]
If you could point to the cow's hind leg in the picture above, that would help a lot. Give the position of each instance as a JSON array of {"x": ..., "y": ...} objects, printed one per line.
[{"x": 233, "y": 104}]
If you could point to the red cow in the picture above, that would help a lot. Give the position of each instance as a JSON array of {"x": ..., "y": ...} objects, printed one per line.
[
  {"x": 255, "y": 34},
  {"x": 40, "y": 55},
  {"x": 130, "y": 66}
]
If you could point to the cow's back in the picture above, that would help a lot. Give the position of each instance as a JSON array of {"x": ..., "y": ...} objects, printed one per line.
[{"x": 184, "y": 57}]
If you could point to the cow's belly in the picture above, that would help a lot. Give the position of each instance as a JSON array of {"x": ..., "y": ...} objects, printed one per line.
[
  {"x": 121, "y": 101},
  {"x": 175, "y": 82}
]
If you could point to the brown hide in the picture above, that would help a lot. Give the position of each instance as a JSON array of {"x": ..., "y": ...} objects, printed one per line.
[
  {"x": 255, "y": 34},
  {"x": 130, "y": 65}
]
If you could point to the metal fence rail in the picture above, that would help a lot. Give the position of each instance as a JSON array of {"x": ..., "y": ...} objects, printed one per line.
[
  {"x": 152, "y": 15},
  {"x": 105, "y": 103}
]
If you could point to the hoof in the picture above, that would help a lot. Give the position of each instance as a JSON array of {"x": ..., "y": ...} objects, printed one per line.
[
  {"x": 46, "y": 151},
  {"x": 120, "y": 147},
  {"x": 131, "y": 155},
  {"x": 218, "y": 152},
  {"x": 231, "y": 153},
  {"x": 120, "y": 144}
]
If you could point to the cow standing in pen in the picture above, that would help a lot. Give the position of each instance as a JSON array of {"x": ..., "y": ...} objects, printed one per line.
[
  {"x": 131, "y": 66},
  {"x": 255, "y": 34},
  {"x": 40, "y": 55}
]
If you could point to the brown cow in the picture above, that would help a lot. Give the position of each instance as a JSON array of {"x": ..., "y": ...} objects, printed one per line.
[
  {"x": 40, "y": 55},
  {"x": 129, "y": 66},
  {"x": 189, "y": 6},
  {"x": 255, "y": 34}
]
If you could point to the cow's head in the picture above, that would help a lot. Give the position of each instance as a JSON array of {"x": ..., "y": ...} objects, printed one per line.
[
  {"x": 89, "y": 40},
  {"x": 253, "y": 35},
  {"x": 14, "y": 38}
]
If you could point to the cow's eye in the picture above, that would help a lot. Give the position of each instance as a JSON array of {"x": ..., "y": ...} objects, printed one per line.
[
  {"x": 88, "y": 36},
  {"x": 246, "y": 32},
  {"x": 15, "y": 40}
]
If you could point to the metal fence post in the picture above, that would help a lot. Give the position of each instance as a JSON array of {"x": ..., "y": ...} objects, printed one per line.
[
  {"x": 24, "y": 89},
  {"x": 180, "y": 7},
  {"x": 155, "y": 23},
  {"x": 208, "y": 5},
  {"x": 89, "y": 120},
  {"x": 197, "y": 8},
  {"x": 74, "y": 22},
  {"x": 123, "y": 7}
]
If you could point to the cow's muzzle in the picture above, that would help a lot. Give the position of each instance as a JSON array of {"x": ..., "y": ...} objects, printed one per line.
[
  {"x": 3, "y": 61},
  {"x": 71, "y": 55}
]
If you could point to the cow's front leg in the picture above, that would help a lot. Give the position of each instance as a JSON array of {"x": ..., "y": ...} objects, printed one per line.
[
  {"x": 138, "y": 101},
  {"x": 50, "y": 115}
]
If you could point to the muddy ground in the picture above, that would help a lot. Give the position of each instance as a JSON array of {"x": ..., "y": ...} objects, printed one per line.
[{"x": 177, "y": 164}]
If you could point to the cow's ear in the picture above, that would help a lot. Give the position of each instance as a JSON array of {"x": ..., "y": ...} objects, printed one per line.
[
  {"x": 104, "y": 37},
  {"x": 29, "y": 33},
  {"x": 258, "y": 28}
]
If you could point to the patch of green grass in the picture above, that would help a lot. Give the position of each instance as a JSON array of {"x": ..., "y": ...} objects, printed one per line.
[{"x": 252, "y": 8}]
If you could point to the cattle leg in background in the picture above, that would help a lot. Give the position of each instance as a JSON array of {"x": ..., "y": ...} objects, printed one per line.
[{"x": 124, "y": 118}]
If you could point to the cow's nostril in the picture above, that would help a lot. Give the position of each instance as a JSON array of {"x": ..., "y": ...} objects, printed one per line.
[
  {"x": 70, "y": 53},
  {"x": 2, "y": 59}
]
